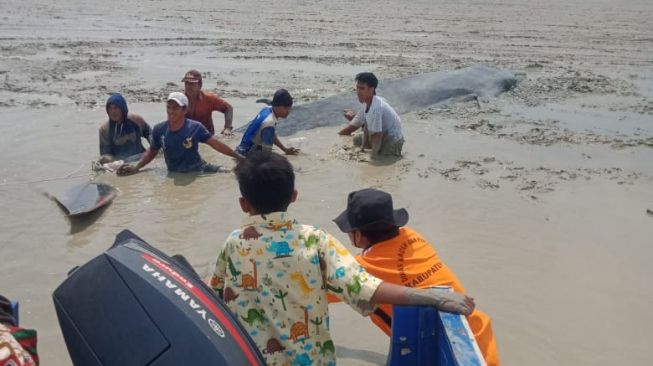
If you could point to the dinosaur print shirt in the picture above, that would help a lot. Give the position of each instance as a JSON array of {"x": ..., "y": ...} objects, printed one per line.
[{"x": 274, "y": 274}]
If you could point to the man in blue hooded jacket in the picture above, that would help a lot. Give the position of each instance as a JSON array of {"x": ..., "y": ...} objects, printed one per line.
[{"x": 120, "y": 136}]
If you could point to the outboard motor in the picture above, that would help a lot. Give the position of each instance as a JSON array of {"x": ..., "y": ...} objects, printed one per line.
[{"x": 134, "y": 305}]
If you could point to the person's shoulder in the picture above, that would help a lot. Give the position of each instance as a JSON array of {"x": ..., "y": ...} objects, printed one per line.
[
  {"x": 193, "y": 124},
  {"x": 376, "y": 105},
  {"x": 380, "y": 101},
  {"x": 408, "y": 233},
  {"x": 313, "y": 230},
  {"x": 234, "y": 235},
  {"x": 161, "y": 126},
  {"x": 104, "y": 127},
  {"x": 269, "y": 119},
  {"x": 265, "y": 111},
  {"x": 387, "y": 104},
  {"x": 411, "y": 230},
  {"x": 383, "y": 107},
  {"x": 308, "y": 227},
  {"x": 235, "y": 232},
  {"x": 211, "y": 96},
  {"x": 136, "y": 118}
]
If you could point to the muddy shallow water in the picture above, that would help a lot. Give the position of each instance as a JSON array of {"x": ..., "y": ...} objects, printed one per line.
[{"x": 537, "y": 198}]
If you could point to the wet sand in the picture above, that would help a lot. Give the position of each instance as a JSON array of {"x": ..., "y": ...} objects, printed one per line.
[{"x": 537, "y": 199}]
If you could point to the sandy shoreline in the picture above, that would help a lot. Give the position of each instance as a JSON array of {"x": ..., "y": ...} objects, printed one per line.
[{"x": 537, "y": 199}]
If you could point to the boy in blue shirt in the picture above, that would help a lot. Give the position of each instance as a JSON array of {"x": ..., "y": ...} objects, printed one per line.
[{"x": 261, "y": 134}]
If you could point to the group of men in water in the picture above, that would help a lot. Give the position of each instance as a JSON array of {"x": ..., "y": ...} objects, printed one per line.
[
  {"x": 190, "y": 122},
  {"x": 396, "y": 266}
]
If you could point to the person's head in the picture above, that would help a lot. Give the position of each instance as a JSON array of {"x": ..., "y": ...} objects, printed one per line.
[
  {"x": 117, "y": 107},
  {"x": 366, "y": 84},
  {"x": 176, "y": 105},
  {"x": 370, "y": 217},
  {"x": 192, "y": 83},
  {"x": 267, "y": 183},
  {"x": 282, "y": 103},
  {"x": 7, "y": 316}
]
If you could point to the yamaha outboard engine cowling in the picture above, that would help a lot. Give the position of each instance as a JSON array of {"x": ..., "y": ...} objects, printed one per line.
[{"x": 134, "y": 305}]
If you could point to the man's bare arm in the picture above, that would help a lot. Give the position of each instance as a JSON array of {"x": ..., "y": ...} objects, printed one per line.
[
  {"x": 223, "y": 148},
  {"x": 452, "y": 302},
  {"x": 228, "y": 121},
  {"x": 347, "y": 130},
  {"x": 286, "y": 150},
  {"x": 147, "y": 157}
]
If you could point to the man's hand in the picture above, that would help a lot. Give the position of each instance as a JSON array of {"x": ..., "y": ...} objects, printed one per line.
[
  {"x": 451, "y": 302},
  {"x": 105, "y": 159},
  {"x": 227, "y": 131},
  {"x": 291, "y": 151},
  {"x": 349, "y": 114},
  {"x": 127, "y": 169},
  {"x": 239, "y": 157},
  {"x": 455, "y": 302}
]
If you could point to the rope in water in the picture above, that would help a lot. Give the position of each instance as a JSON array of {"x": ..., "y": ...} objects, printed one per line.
[{"x": 67, "y": 176}]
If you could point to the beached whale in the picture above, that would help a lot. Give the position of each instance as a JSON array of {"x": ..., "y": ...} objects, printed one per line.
[{"x": 406, "y": 94}]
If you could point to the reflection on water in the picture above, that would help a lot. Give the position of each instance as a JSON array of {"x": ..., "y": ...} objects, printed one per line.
[{"x": 82, "y": 222}]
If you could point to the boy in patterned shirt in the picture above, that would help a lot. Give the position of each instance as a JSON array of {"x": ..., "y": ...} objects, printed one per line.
[{"x": 275, "y": 273}]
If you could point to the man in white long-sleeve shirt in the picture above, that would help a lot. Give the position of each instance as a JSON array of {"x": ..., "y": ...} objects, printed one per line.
[{"x": 381, "y": 124}]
